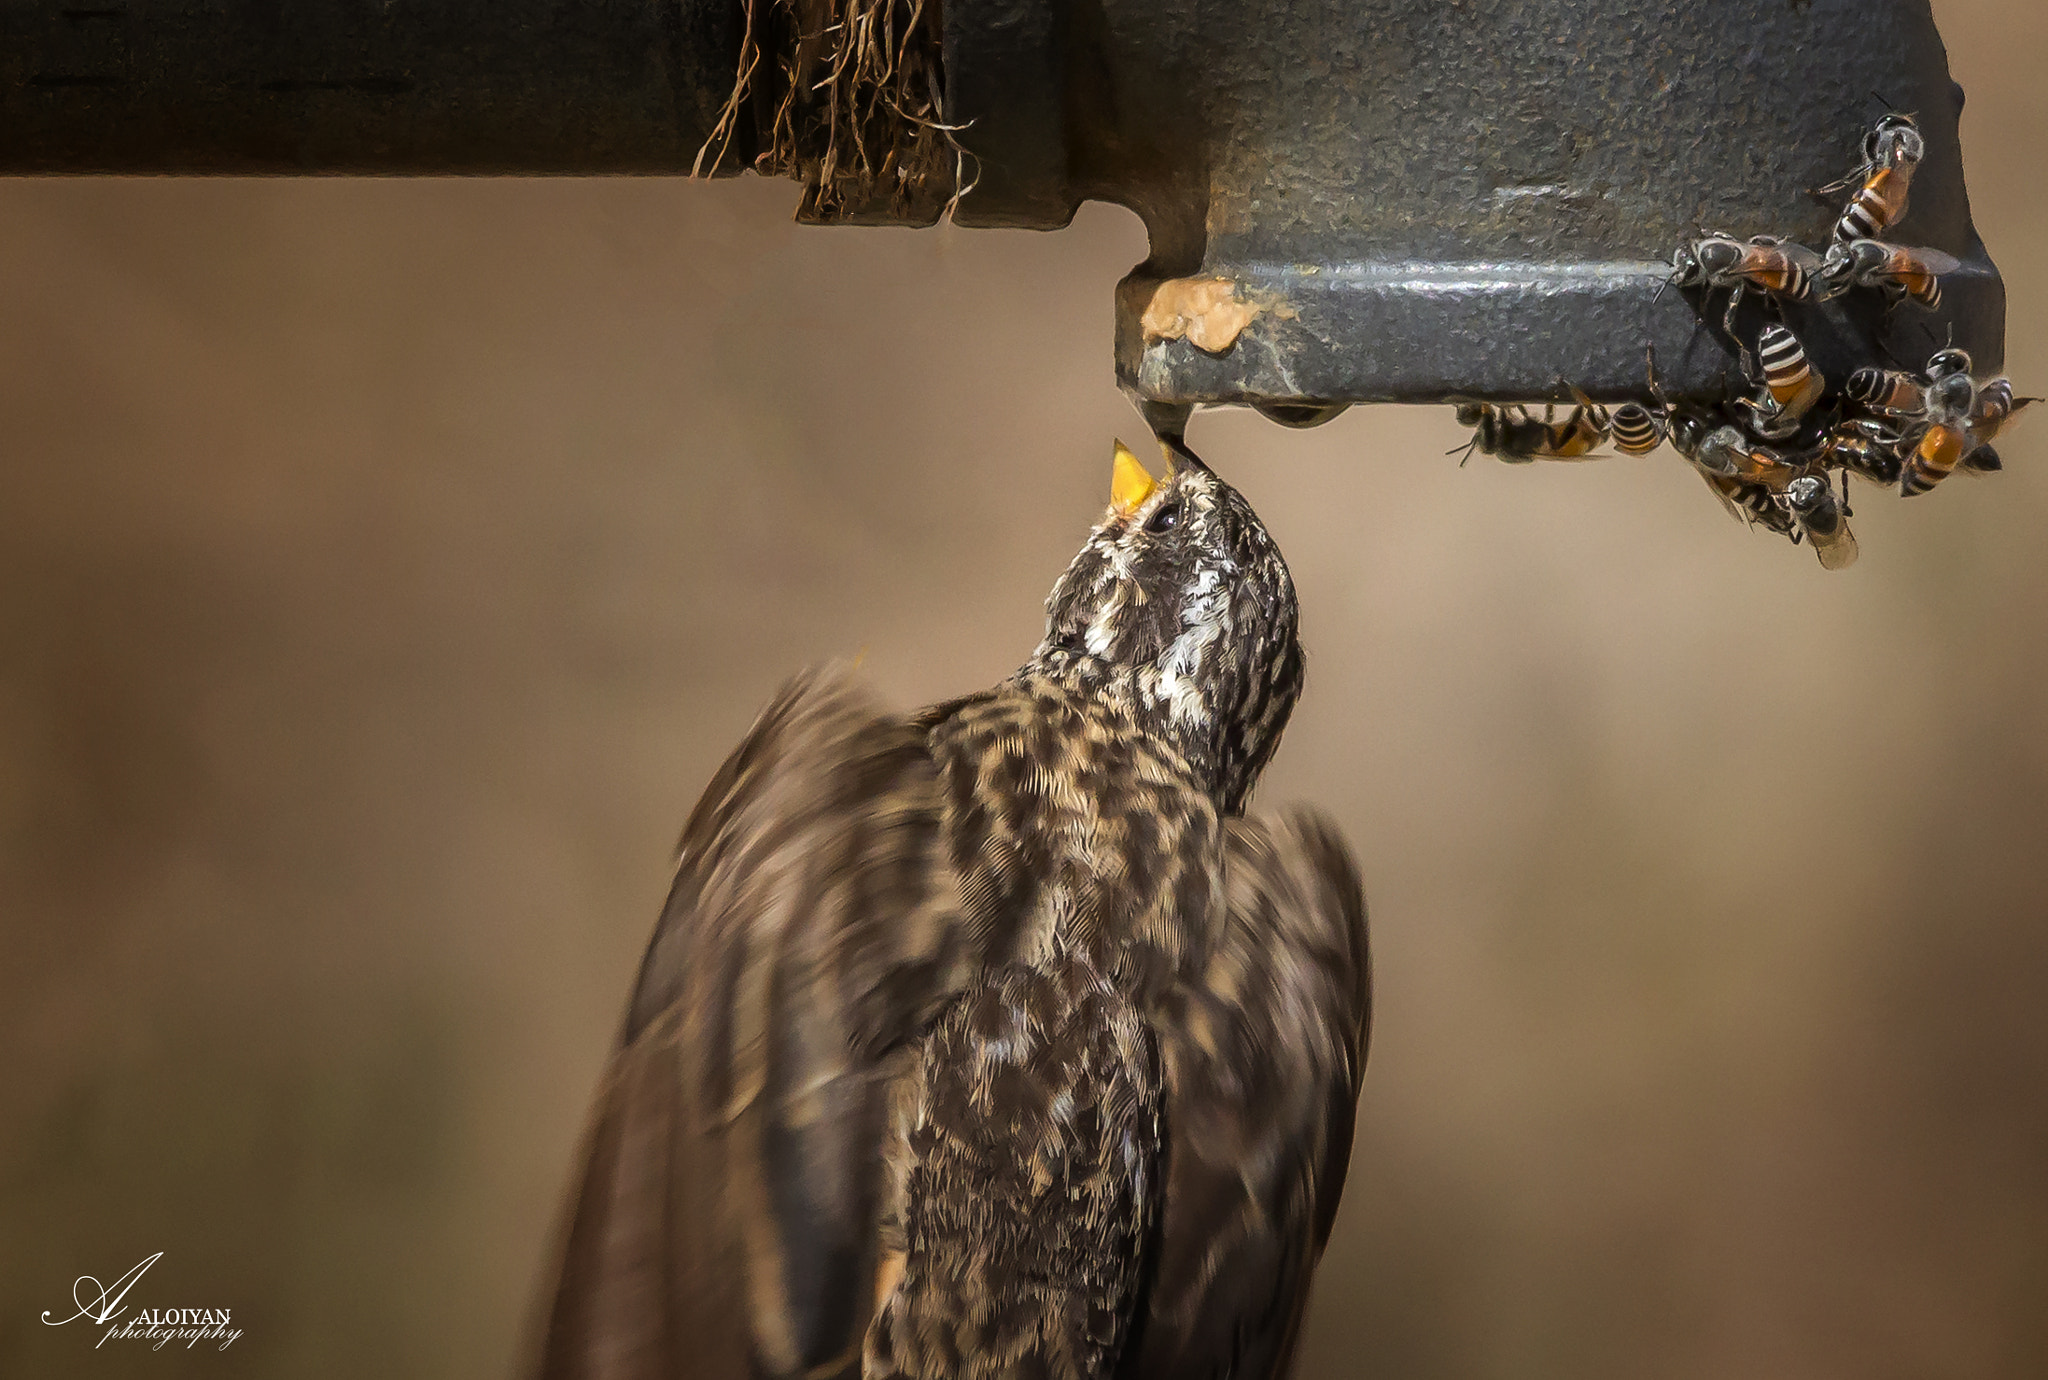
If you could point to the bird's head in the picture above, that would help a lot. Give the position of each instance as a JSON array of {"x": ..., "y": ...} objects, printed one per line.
[{"x": 1180, "y": 608}]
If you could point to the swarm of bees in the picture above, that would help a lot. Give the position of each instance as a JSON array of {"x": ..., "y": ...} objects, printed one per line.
[{"x": 1769, "y": 455}]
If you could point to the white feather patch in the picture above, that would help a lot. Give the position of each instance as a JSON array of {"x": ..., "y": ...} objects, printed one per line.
[{"x": 1205, "y": 619}]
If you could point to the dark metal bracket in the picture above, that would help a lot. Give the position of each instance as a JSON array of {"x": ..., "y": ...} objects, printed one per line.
[{"x": 1348, "y": 200}]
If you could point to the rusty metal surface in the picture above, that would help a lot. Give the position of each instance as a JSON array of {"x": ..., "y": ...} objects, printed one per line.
[
  {"x": 1473, "y": 198},
  {"x": 1428, "y": 199}
]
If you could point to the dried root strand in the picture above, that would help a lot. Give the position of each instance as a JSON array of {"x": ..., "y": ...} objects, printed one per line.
[{"x": 846, "y": 97}]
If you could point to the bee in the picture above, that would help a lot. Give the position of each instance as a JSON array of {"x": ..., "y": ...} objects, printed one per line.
[
  {"x": 1742, "y": 476},
  {"x": 1767, "y": 263},
  {"x": 1686, "y": 430},
  {"x": 1893, "y": 392},
  {"x": 1951, "y": 399},
  {"x": 1890, "y": 153},
  {"x": 1866, "y": 447},
  {"x": 1937, "y": 455},
  {"x": 1689, "y": 433},
  {"x": 1899, "y": 272},
  {"x": 1821, "y": 517},
  {"x": 1942, "y": 363},
  {"x": 1994, "y": 407},
  {"x": 1514, "y": 436},
  {"x": 1750, "y": 503},
  {"x": 1790, "y": 389},
  {"x": 1636, "y": 430},
  {"x": 1728, "y": 453}
]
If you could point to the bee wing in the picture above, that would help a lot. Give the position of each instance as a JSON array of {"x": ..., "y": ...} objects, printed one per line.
[
  {"x": 1838, "y": 552},
  {"x": 1936, "y": 262},
  {"x": 1801, "y": 256},
  {"x": 1734, "y": 509},
  {"x": 1263, "y": 1053}
]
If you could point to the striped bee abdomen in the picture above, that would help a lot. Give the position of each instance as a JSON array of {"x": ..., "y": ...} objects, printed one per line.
[
  {"x": 1786, "y": 372},
  {"x": 1635, "y": 429},
  {"x": 1892, "y": 391},
  {"x": 1932, "y": 460}
]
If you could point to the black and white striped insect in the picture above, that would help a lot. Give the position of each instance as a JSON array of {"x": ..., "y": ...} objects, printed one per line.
[
  {"x": 1890, "y": 392},
  {"x": 1821, "y": 517},
  {"x": 1791, "y": 385},
  {"x": 1890, "y": 153},
  {"x": 1635, "y": 429}
]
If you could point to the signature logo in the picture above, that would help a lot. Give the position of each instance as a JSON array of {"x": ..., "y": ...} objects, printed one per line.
[{"x": 101, "y": 1304}]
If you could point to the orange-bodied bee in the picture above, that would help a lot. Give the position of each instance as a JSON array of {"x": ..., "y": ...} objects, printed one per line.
[
  {"x": 1946, "y": 440},
  {"x": 1770, "y": 264},
  {"x": 1514, "y": 436},
  {"x": 1893, "y": 392},
  {"x": 1934, "y": 459},
  {"x": 1890, "y": 153},
  {"x": 1790, "y": 389},
  {"x": 1821, "y": 517},
  {"x": 1898, "y": 271}
]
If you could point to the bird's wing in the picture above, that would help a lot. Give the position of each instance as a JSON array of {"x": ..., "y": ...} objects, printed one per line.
[
  {"x": 725, "y": 1225},
  {"x": 1263, "y": 1057}
]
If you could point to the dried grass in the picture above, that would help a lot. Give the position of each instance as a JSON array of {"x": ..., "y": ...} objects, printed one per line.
[{"x": 846, "y": 96}]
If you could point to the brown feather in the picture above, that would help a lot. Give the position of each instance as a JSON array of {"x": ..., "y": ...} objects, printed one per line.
[{"x": 1264, "y": 1052}]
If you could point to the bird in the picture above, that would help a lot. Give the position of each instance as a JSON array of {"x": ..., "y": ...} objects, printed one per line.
[{"x": 993, "y": 1041}]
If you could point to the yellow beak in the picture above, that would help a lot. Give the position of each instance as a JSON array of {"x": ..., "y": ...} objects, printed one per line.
[{"x": 1129, "y": 482}]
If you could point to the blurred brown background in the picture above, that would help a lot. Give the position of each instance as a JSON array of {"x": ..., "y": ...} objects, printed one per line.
[{"x": 385, "y": 566}]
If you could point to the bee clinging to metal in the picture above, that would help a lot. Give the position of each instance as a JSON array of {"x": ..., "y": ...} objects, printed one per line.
[
  {"x": 1512, "y": 435},
  {"x": 1994, "y": 408},
  {"x": 1724, "y": 460},
  {"x": 1943, "y": 363},
  {"x": 1790, "y": 388},
  {"x": 1867, "y": 447},
  {"x": 1732, "y": 455},
  {"x": 1891, "y": 151},
  {"x": 1821, "y": 517},
  {"x": 1750, "y": 503},
  {"x": 1767, "y": 263},
  {"x": 1896, "y": 270},
  {"x": 1892, "y": 392},
  {"x": 1950, "y": 401},
  {"x": 1635, "y": 429}
]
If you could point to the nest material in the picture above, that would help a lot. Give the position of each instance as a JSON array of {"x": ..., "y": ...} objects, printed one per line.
[{"x": 846, "y": 97}]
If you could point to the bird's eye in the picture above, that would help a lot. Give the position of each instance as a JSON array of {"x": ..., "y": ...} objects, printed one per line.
[{"x": 1165, "y": 519}]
